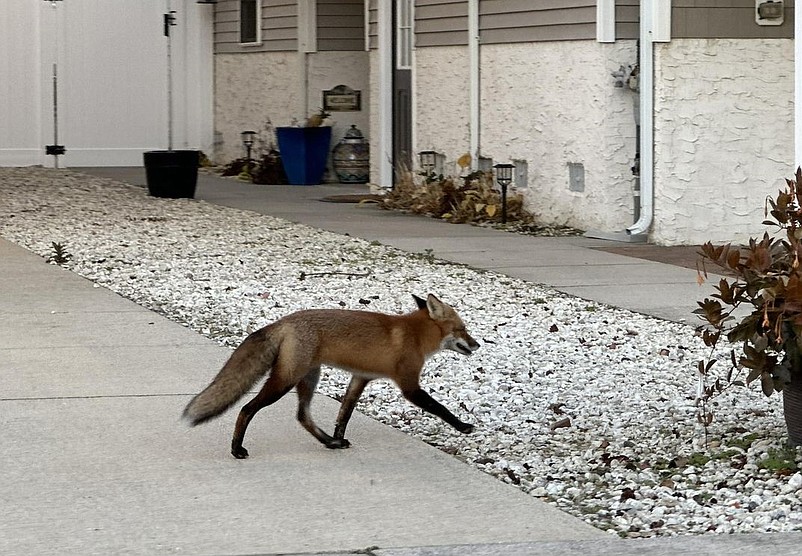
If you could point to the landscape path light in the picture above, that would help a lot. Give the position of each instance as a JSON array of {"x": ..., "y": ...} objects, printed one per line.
[
  {"x": 504, "y": 179},
  {"x": 428, "y": 160},
  {"x": 248, "y": 138}
]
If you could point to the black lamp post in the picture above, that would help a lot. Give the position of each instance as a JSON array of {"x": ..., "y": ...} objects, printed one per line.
[
  {"x": 428, "y": 159},
  {"x": 504, "y": 178},
  {"x": 248, "y": 138}
]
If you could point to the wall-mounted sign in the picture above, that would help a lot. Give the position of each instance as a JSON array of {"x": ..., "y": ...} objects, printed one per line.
[{"x": 342, "y": 99}]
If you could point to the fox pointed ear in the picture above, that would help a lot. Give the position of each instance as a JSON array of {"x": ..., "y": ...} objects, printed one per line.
[
  {"x": 437, "y": 309},
  {"x": 421, "y": 302}
]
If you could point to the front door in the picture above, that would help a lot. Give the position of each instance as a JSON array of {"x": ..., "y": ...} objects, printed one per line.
[{"x": 403, "y": 33}]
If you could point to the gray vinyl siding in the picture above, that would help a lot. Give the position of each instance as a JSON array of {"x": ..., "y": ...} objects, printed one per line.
[
  {"x": 507, "y": 21},
  {"x": 441, "y": 23},
  {"x": 627, "y": 19},
  {"x": 340, "y": 25},
  {"x": 445, "y": 22},
  {"x": 725, "y": 19},
  {"x": 279, "y": 27}
]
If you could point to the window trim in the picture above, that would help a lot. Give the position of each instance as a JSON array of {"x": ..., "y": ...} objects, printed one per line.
[
  {"x": 405, "y": 34},
  {"x": 258, "y": 22}
]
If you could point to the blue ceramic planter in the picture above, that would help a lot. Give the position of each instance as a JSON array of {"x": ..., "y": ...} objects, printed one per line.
[{"x": 304, "y": 152}]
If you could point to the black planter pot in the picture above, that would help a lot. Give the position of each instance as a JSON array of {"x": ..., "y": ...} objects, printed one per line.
[
  {"x": 792, "y": 409},
  {"x": 172, "y": 174}
]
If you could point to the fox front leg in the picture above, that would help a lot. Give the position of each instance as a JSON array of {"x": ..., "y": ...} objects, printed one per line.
[
  {"x": 423, "y": 400},
  {"x": 352, "y": 394}
]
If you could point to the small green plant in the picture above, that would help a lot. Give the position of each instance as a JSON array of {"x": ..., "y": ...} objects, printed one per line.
[{"x": 60, "y": 256}]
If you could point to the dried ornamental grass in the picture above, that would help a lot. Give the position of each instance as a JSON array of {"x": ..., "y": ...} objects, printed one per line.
[{"x": 474, "y": 200}]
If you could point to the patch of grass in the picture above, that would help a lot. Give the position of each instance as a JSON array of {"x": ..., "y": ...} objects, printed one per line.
[
  {"x": 779, "y": 460},
  {"x": 698, "y": 459},
  {"x": 744, "y": 442}
]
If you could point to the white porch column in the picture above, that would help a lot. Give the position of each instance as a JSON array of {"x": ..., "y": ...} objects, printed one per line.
[
  {"x": 797, "y": 88},
  {"x": 385, "y": 104}
]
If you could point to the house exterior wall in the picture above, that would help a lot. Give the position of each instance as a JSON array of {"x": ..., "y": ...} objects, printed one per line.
[
  {"x": 554, "y": 103},
  {"x": 724, "y": 128},
  {"x": 534, "y": 108},
  {"x": 279, "y": 27},
  {"x": 725, "y": 19},
  {"x": 248, "y": 94},
  {"x": 257, "y": 84},
  {"x": 445, "y": 22},
  {"x": 341, "y": 25},
  {"x": 441, "y": 102}
]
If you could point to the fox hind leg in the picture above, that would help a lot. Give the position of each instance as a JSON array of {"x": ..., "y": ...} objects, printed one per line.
[
  {"x": 306, "y": 390},
  {"x": 352, "y": 394},
  {"x": 273, "y": 390}
]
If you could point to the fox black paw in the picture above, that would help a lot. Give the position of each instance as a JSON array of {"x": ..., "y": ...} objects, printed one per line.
[
  {"x": 239, "y": 453},
  {"x": 466, "y": 428},
  {"x": 338, "y": 443}
]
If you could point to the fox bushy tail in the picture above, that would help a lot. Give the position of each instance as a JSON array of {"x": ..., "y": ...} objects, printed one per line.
[{"x": 250, "y": 361}]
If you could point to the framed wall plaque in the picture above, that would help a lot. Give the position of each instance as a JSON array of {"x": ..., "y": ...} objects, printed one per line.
[{"x": 342, "y": 99}]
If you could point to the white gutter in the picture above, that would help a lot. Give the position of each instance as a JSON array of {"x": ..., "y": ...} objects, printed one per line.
[{"x": 475, "y": 83}]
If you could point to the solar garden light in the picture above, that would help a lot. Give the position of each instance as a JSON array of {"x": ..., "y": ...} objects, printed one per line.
[
  {"x": 248, "y": 138},
  {"x": 504, "y": 178},
  {"x": 427, "y": 161}
]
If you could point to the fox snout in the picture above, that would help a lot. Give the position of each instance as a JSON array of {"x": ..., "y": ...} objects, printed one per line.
[{"x": 462, "y": 344}]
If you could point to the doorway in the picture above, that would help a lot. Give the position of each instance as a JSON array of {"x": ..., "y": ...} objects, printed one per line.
[{"x": 403, "y": 39}]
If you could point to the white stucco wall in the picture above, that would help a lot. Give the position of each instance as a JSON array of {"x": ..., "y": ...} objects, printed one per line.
[
  {"x": 441, "y": 102},
  {"x": 252, "y": 88},
  {"x": 724, "y": 136},
  {"x": 549, "y": 103}
]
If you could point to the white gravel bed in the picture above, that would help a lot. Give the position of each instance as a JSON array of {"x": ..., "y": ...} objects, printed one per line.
[{"x": 588, "y": 407}]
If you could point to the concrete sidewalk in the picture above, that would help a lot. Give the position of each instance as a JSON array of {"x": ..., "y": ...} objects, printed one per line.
[{"x": 95, "y": 460}]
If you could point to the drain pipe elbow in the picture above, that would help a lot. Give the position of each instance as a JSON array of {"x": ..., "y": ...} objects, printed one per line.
[{"x": 646, "y": 93}]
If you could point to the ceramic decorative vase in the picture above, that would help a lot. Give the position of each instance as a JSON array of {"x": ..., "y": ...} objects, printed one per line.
[{"x": 352, "y": 158}]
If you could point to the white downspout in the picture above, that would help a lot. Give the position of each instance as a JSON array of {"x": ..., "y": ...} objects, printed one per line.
[
  {"x": 475, "y": 83},
  {"x": 655, "y": 26},
  {"x": 646, "y": 86}
]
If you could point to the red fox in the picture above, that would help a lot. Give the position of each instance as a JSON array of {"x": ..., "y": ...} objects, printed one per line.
[{"x": 366, "y": 344}]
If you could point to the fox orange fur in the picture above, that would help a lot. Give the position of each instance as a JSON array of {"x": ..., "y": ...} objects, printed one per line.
[{"x": 368, "y": 345}]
